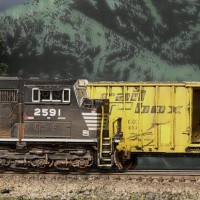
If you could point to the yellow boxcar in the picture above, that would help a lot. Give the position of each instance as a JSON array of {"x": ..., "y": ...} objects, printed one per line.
[{"x": 156, "y": 117}]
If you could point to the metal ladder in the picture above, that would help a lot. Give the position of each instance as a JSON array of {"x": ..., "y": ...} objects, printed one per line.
[
  {"x": 106, "y": 153},
  {"x": 105, "y": 147}
]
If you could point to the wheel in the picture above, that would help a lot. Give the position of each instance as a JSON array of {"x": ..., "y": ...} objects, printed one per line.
[{"x": 122, "y": 162}]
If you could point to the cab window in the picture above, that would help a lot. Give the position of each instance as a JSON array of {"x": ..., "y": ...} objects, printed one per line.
[{"x": 40, "y": 95}]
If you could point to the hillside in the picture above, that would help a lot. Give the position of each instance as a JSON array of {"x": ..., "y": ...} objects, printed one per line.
[{"x": 103, "y": 40}]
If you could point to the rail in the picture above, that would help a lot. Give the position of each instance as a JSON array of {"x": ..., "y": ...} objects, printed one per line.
[{"x": 108, "y": 173}]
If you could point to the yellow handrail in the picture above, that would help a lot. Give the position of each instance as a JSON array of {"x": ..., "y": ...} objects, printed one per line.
[{"x": 101, "y": 132}]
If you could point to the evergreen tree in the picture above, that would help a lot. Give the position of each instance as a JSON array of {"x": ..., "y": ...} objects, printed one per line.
[{"x": 3, "y": 66}]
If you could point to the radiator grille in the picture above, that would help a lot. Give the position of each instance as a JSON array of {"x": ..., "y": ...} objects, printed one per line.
[{"x": 8, "y": 95}]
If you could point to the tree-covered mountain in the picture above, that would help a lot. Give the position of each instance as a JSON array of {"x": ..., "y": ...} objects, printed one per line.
[{"x": 103, "y": 39}]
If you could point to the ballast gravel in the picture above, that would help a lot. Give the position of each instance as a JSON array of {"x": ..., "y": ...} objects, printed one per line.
[{"x": 75, "y": 187}]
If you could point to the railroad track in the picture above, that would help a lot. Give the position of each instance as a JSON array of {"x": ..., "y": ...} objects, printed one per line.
[
  {"x": 166, "y": 172},
  {"x": 132, "y": 173}
]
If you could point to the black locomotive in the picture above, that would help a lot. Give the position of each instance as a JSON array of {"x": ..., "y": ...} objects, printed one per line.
[{"x": 53, "y": 125}]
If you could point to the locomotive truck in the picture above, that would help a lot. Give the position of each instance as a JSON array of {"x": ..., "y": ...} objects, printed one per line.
[{"x": 75, "y": 125}]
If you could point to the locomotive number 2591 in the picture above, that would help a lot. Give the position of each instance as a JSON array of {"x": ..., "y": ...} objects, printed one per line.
[{"x": 47, "y": 112}]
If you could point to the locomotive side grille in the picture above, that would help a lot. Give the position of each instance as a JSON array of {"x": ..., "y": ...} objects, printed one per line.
[
  {"x": 93, "y": 121},
  {"x": 8, "y": 95}
]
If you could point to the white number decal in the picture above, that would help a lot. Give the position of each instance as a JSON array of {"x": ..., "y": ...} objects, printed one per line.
[
  {"x": 59, "y": 112},
  {"x": 52, "y": 112},
  {"x": 47, "y": 112},
  {"x": 37, "y": 112},
  {"x": 44, "y": 112}
]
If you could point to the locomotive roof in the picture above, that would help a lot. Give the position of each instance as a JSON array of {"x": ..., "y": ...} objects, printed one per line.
[
  {"x": 50, "y": 81},
  {"x": 37, "y": 80},
  {"x": 9, "y": 78}
]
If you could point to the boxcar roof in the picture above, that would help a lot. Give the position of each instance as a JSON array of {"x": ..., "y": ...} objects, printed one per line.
[{"x": 149, "y": 83}]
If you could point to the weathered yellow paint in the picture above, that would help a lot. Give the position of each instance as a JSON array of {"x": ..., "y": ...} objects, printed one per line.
[
  {"x": 165, "y": 134},
  {"x": 156, "y": 117}
]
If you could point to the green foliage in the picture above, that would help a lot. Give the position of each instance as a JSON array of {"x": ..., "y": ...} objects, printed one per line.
[
  {"x": 1, "y": 44},
  {"x": 3, "y": 66}
]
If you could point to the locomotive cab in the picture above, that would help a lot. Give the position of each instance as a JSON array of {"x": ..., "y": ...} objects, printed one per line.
[{"x": 53, "y": 110}]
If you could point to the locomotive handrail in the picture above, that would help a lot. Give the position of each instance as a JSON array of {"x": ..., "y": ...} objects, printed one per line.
[{"x": 101, "y": 131}]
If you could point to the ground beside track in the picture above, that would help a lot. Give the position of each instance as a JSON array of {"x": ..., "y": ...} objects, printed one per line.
[{"x": 80, "y": 187}]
